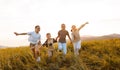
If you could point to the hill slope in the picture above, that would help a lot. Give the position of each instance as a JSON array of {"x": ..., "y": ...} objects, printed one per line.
[{"x": 111, "y": 36}]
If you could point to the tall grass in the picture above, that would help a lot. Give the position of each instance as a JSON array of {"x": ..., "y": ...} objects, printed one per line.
[{"x": 94, "y": 55}]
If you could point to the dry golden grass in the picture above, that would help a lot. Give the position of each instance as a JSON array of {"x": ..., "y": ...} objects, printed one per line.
[{"x": 94, "y": 55}]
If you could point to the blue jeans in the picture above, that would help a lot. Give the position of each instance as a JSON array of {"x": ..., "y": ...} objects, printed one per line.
[{"x": 62, "y": 46}]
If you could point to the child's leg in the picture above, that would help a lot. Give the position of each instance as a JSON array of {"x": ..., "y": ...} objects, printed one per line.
[
  {"x": 78, "y": 46},
  {"x": 37, "y": 53},
  {"x": 32, "y": 47},
  {"x": 49, "y": 53},
  {"x": 75, "y": 48},
  {"x": 37, "y": 50},
  {"x": 77, "y": 51},
  {"x": 33, "y": 51},
  {"x": 64, "y": 48},
  {"x": 60, "y": 46}
]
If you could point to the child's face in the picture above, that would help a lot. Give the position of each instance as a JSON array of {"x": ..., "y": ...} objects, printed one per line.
[
  {"x": 37, "y": 29},
  {"x": 63, "y": 26},
  {"x": 48, "y": 36},
  {"x": 73, "y": 27}
]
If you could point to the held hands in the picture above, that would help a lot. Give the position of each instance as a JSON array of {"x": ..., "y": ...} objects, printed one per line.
[{"x": 71, "y": 43}]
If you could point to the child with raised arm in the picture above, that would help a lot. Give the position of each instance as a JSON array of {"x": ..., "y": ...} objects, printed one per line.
[
  {"x": 76, "y": 38},
  {"x": 49, "y": 44},
  {"x": 35, "y": 41}
]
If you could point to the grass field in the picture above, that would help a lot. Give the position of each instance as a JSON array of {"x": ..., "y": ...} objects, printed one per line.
[{"x": 94, "y": 55}]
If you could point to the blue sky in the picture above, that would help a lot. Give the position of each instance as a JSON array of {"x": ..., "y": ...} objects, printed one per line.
[{"x": 23, "y": 15}]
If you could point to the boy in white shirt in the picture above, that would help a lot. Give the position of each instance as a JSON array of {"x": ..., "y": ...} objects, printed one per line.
[{"x": 35, "y": 41}]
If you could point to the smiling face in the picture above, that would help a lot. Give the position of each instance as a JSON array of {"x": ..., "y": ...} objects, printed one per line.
[
  {"x": 37, "y": 29},
  {"x": 48, "y": 35},
  {"x": 63, "y": 26},
  {"x": 73, "y": 27}
]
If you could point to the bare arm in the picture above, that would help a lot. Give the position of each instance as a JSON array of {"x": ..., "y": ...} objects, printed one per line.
[
  {"x": 82, "y": 26},
  {"x": 69, "y": 38},
  {"x": 45, "y": 43},
  {"x": 58, "y": 36},
  {"x": 54, "y": 40},
  {"x": 19, "y": 33}
]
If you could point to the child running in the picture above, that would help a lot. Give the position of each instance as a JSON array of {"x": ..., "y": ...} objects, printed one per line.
[
  {"x": 76, "y": 38},
  {"x": 62, "y": 39},
  {"x": 35, "y": 41},
  {"x": 49, "y": 43}
]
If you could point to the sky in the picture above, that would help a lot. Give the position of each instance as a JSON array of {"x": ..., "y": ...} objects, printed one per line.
[{"x": 22, "y": 15}]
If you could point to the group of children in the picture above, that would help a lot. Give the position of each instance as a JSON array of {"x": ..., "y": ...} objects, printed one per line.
[{"x": 35, "y": 40}]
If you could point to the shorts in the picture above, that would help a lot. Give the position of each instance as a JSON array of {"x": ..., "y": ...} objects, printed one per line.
[
  {"x": 77, "y": 45},
  {"x": 34, "y": 46}
]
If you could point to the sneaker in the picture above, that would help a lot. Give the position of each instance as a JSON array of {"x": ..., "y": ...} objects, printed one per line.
[{"x": 38, "y": 59}]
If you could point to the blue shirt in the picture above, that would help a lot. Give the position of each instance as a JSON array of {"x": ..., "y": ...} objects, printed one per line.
[{"x": 34, "y": 37}]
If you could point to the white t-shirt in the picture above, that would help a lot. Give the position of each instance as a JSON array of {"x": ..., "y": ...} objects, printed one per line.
[{"x": 34, "y": 37}]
